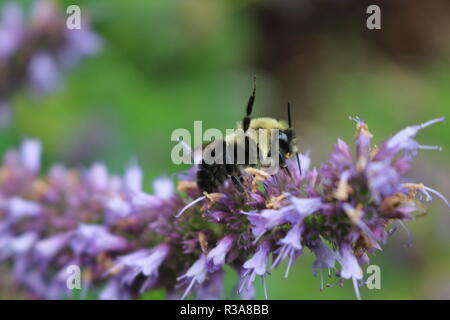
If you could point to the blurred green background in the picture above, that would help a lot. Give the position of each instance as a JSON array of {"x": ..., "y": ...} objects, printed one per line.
[{"x": 167, "y": 63}]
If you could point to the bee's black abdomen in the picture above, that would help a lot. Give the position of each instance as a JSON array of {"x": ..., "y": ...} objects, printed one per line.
[
  {"x": 204, "y": 181},
  {"x": 206, "y": 185},
  {"x": 211, "y": 176}
]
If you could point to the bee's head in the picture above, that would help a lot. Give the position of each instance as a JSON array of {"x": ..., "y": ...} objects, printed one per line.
[{"x": 286, "y": 141}]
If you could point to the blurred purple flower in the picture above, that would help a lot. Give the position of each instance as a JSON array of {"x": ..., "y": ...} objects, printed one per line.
[
  {"x": 94, "y": 239},
  {"x": 133, "y": 178},
  {"x": 98, "y": 177},
  {"x": 43, "y": 73},
  {"x": 47, "y": 248},
  {"x": 34, "y": 52},
  {"x": 11, "y": 29},
  {"x": 130, "y": 241},
  {"x": 143, "y": 261},
  {"x": 18, "y": 208},
  {"x": 30, "y": 154},
  {"x": 80, "y": 43}
]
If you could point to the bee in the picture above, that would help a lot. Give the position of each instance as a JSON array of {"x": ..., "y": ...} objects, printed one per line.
[{"x": 210, "y": 176}]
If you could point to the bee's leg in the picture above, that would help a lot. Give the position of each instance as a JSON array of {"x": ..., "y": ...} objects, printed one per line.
[
  {"x": 233, "y": 172},
  {"x": 288, "y": 172},
  {"x": 284, "y": 166},
  {"x": 220, "y": 174},
  {"x": 238, "y": 184}
]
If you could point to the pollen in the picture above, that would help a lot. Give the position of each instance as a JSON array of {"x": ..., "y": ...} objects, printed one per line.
[
  {"x": 186, "y": 186},
  {"x": 39, "y": 188},
  {"x": 361, "y": 246},
  {"x": 4, "y": 175},
  {"x": 413, "y": 188},
  {"x": 203, "y": 242},
  {"x": 362, "y": 128},
  {"x": 343, "y": 190},
  {"x": 258, "y": 176},
  {"x": 275, "y": 202},
  {"x": 105, "y": 263},
  {"x": 374, "y": 151},
  {"x": 213, "y": 197},
  {"x": 355, "y": 214},
  {"x": 391, "y": 203}
]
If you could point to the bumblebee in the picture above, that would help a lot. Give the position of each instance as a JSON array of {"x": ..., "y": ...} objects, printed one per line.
[{"x": 210, "y": 176}]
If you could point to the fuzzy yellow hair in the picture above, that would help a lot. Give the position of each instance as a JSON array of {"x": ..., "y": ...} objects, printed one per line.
[{"x": 266, "y": 123}]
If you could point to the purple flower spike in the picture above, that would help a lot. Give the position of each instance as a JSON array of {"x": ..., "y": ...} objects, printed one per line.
[{"x": 127, "y": 241}]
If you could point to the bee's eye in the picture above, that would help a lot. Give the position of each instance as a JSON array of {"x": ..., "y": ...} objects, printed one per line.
[{"x": 283, "y": 137}]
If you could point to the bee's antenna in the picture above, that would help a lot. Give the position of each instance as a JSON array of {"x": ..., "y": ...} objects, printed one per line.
[
  {"x": 251, "y": 100},
  {"x": 290, "y": 126},
  {"x": 298, "y": 162},
  {"x": 289, "y": 115}
]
